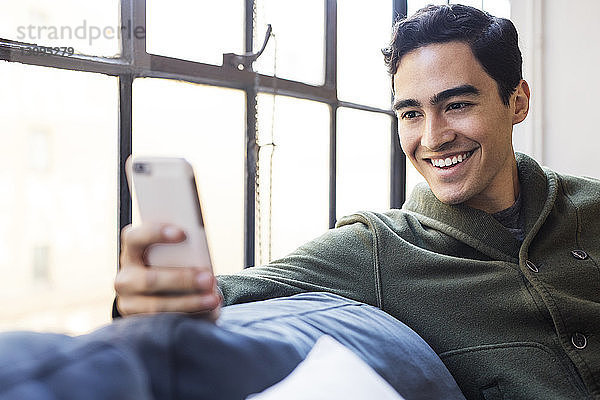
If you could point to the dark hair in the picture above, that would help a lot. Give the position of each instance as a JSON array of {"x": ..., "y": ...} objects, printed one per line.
[{"x": 493, "y": 40}]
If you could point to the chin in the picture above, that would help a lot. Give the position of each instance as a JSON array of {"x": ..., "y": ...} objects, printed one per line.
[{"x": 451, "y": 198}]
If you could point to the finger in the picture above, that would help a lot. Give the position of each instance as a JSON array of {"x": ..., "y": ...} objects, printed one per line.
[
  {"x": 215, "y": 313},
  {"x": 141, "y": 280},
  {"x": 135, "y": 240},
  {"x": 192, "y": 303},
  {"x": 212, "y": 315}
]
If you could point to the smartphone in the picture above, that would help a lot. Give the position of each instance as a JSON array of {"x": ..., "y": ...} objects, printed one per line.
[{"x": 163, "y": 190}]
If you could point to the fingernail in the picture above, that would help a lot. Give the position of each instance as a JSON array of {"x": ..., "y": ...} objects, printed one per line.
[
  {"x": 203, "y": 279},
  {"x": 170, "y": 232}
]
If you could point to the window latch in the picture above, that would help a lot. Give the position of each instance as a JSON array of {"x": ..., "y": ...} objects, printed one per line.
[{"x": 244, "y": 61}]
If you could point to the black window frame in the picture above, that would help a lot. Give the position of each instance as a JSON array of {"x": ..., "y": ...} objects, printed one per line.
[{"x": 135, "y": 62}]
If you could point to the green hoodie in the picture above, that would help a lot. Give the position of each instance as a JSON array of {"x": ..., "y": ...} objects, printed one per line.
[{"x": 509, "y": 320}]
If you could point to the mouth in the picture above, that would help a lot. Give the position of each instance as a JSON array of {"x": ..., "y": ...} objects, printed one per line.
[{"x": 450, "y": 162}]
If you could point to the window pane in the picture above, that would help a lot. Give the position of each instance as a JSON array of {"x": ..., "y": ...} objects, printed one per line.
[
  {"x": 300, "y": 173},
  {"x": 195, "y": 30},
  {"x": 90, "y": 27},
  {"x": 414, "y": 5},
  {"x": 362, "y": 33},
  {"x": 363, "y": 161},
  {"x": 205, "y": 125},
  {"x": 413, "y": 177},
  {"x": 299, "y": 37},
  {"x": 58, "y": 198}
]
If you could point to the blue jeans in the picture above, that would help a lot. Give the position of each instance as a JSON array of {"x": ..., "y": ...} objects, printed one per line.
[{"x": 253, "y": 346}]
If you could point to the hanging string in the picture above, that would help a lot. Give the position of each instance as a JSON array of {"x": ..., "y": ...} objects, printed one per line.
[
  {"x": 260, "y": 146},
  {"x": 272, "y": 144},
  {"x": 257, "y": 201}
]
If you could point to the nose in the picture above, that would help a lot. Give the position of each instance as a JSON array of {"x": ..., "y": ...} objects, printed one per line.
[{"x": 436, "y": 133}]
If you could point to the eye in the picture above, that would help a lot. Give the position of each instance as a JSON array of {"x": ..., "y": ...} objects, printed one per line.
[
  {"x": 457, "y": 106},
  {"x": 410, "y": 114}
]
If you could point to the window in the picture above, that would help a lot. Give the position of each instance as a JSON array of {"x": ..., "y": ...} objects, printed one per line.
[
  {"x": 39, "y": 150},
  {"x": 361, "y": 77},
  {"x": 297, "y": 48},
  {"x": 363, "y": 169},
  {"x": 41, "y": 268},
  {"x": 293, "y": 174},
  {"x": 89, "y": 87},
  {"x": 205, "y": 125},
  {"x": 58, "y": 197},
  {"x": 203, "y": 32}
]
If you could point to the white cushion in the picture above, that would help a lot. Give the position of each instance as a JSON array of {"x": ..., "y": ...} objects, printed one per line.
[{"x": 330, "y": 371}]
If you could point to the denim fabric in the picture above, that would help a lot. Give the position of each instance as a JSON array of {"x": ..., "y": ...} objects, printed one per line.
[{"x": 254, "y": 345}]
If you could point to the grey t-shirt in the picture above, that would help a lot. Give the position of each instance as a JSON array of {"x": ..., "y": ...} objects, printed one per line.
[{"x": 511, "y": 219}]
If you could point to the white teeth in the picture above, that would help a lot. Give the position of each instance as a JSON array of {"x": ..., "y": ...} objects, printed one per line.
[{"x": 450, "y": 161}]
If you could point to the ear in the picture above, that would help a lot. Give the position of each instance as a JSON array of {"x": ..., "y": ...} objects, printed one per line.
[{"x": 520, "y": 102}]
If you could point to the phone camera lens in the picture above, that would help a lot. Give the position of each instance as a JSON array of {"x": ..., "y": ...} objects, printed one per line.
[{"x": 140, "y": 168}]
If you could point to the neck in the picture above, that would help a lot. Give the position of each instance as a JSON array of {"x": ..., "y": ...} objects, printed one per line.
[{"x": 501, "y": 195}]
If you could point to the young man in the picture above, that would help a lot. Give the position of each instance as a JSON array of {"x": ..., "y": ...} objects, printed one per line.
[{"x": 493, "y": 262}]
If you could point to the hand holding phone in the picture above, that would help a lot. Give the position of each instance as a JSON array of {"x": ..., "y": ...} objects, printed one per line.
[
  {"x": 164, "y": 191},
  {"x": 170, "y": 233}
]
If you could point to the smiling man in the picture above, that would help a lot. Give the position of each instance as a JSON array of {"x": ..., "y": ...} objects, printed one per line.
[
  {"x": 455, "y": 128},
  {"x": 493, "y": 262}
]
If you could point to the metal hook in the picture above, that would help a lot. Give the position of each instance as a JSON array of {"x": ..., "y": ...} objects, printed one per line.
[{"x": 244, "y": 61}]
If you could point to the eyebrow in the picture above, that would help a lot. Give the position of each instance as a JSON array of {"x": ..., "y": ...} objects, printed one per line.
[{"x": 438, "y": 97}]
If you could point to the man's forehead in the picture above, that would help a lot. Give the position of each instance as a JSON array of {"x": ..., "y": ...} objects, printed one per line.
[
  {"x": 439, "y": 52},
  {"x": 429, "y": 70}
]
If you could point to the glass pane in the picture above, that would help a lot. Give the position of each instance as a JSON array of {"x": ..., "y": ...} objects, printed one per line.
[
  {"x": 205, "y": 125},
  {"x": 362, "y": 76},
  {"x": 299, "y": 201},
  {"x": 58, "y": 198},
  {"x": 413, "y": 177},
  {"x": 297, "y": 50},
  {"x": 90, "y": 27},
  {"x": 414, "y": 5},
  {"x": 363, "y": 161},
  {"x": 195, "y": 30}
]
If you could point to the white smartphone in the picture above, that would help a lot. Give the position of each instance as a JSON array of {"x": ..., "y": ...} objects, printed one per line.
[{"x": 164, "y": 191}]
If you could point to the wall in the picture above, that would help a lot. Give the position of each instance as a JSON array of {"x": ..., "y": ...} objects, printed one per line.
[{"x": 562, "y": 56}]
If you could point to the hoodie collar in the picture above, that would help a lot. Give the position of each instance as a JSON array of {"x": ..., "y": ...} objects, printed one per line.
[{"x": 481, "y": 230}]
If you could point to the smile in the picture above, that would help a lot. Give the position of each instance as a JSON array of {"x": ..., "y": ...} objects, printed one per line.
[{"x": 450, "y": 161}]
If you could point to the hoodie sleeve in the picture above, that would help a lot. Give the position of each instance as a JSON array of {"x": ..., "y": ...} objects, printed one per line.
[{"x": 341, "y": 261}]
